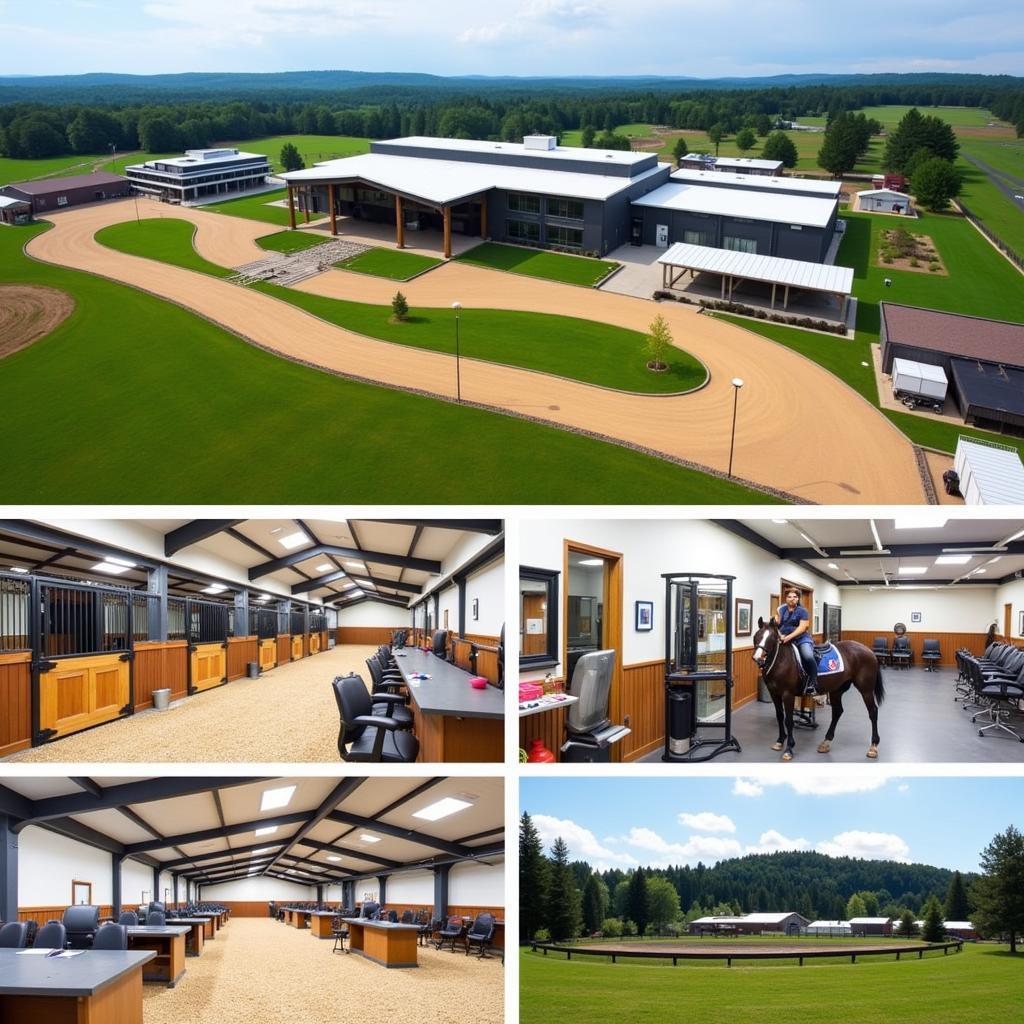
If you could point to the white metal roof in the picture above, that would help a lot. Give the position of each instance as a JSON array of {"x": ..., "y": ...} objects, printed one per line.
[
  {"x": 194, "y": 158},
  {"x": 556, "y": 155},
  {"x": 902, "y": 196},
  {"x": 762, "y": 182},
  {"x": 12, "y": 201},
  {"x": 767, "y": 918},
  {"x": 734, "y": 161},
  {"x": 829, "y": 924},
  {"x": 926, "y": 371},
  {"x": 958, "y": 924},
  {"x": 820, "y": 277},
  {"x": 996, "y": 470},
  {"x": 809, "y": 211},
  {"x": 442, "y": 182}
]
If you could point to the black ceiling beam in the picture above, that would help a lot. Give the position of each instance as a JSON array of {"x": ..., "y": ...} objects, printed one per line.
[
  {"x": 480, "y": 853},
  {"x": 25, "y": 530},
  {"x": 86, "y": 784},
  {"x": 227, "y": 868},
  {"x": 379, "y": 557},
  {"x": 489, "y": 526},
  {"x": 500, "y": 830},
  {"x": 340, "y": 601},
  {"x": 341, "y": 851},
  {"x": 333, "y": 577},
  {"x": 744, "y": 532},
  {"x": 55, "y": 558},
  {"x": 214, "y": 854},
  {"x": 219, "y": 833},
  {"x": 486, "y": 555},
  {"x": 397, "y": 832},
  {"x": 15, "y": 805},
  {"x": 195, "y": 531}
]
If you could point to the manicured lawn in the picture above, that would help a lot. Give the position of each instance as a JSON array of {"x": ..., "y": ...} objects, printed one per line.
[
  {"x": 12, "y": 170},
  {"x": 978, "y": 986},
  {"x": 967, "y": 117},
  {"x": 190, "y": 398},
  {"x": 1000, "y": 214},
  {"x": 256, "y": 207},
  {"x": 312, "y": 148},
  {"x": 390, "y": 263},
  {"x": 291, "y": 241},
  {"x": 552, "y": 266},
  {"x": 169, "y": 241}
]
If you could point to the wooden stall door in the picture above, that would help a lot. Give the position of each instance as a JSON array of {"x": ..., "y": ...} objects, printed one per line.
[
  {"x": 314, "y": 643},
  {"x": 76, "y": 693},
  {"x": 209, "y": 666},
  {"x": 268, "y": 655},
  {"x": 296, "y": 647}
]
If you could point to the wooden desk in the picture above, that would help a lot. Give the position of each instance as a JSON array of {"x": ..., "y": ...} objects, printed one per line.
[
  {"x": 97, "y": 987},
  {"x": 167, "y": 944},
  {"x": 296, "y": 918},
  {"x": 196, "y": 934},
  {"x": 454, "y": 722},
  {"x": 390, "y": 945},
  {"x": 320, "y": 923}
]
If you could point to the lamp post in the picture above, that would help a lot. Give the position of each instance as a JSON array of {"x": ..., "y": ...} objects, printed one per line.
[
  {"x": 737, "y": 383},
  {"x": 113, "y": 157},
  {"x": 457, "y": 306}
]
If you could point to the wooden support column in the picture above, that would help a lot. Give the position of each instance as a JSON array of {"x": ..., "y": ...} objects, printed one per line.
[
  {"x": 308, "y": 193},
  {"x": 330, "y": 202},
  {"x": 785, "y": 298},
  {"x": 399, "y": 223},
  {"x": 483, "y": 217},
  {"x": 447, "y": 232},
  {"x": 291, "y": 207},
  {"x": 774, "y": 285}
]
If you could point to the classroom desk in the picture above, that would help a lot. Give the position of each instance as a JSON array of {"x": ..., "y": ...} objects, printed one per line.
[
  {"x": 453, "y": 722},
  {"x": 209, "y": 925},
  {"x": 167, "y": 942},
  {"x": 196, "y": 933},
  {"x": 296, "y": 918},
  {"x": 320, "y": 923},
  {"x": 97, "y": 987},
  {"x": 387, "y": 944}
]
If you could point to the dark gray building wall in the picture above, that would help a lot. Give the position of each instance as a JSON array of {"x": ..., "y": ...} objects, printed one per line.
[{"x": 75, "y": 196}]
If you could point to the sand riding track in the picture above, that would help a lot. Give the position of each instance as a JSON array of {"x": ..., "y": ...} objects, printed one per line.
[
  {"x": 28, "y": 313},
  {"x": 799, "y": 430}
]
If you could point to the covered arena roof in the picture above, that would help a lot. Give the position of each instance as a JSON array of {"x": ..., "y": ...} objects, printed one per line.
[
  {"x": 806, "y": 211},
  {"x": 763, "y": 183},
  {"x": 727, "y": 163}
]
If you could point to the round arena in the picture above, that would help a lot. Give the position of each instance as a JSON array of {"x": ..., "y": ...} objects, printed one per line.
[{"x": 28, "y": 313}]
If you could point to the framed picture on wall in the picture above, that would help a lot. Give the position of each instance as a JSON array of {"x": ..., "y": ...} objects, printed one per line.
[
  {"x": 1020, "y": 625},
  {"x": 915, "y": 616},
  {"x": 644, "y": 614},
  {"x": 476, "y": 608},
  {"x": 81, "y": 893},
  {"x": 744, "y": 616}
]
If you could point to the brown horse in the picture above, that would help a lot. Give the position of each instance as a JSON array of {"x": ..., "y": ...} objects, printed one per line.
[{"x": 785, "y": 683}]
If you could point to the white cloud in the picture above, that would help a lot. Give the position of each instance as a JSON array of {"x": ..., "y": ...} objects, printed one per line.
[
  {"x": 582, "y": 843},
  {"x": 904, "y": 788},
  {"x": 810, "y": 784},
  {"x": 533, "y": 20},
  {"x": 746, "y": 787},
  {"x": 866, "y": 846},
  {"x": 775, "y": 842},
  {"x": 695, "y": 848},
  {"x": 707, "y": 821}
]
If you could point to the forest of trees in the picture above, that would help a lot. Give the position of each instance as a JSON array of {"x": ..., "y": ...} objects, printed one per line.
[
  {"x": 563, "y": 899},
  {"x": 499, "y": 111}
]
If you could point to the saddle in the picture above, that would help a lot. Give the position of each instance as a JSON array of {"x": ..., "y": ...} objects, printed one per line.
[{"x": 828, "y": 657}]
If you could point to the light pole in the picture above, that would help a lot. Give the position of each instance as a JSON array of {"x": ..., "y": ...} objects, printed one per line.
[
  {"x": 113, "y": 157},
  {"x": 737, "y": 383},
  {"x": 457, "y": 306}
]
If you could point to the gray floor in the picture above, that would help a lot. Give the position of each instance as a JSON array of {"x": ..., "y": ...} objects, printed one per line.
[{"x": 918, "y": 721}]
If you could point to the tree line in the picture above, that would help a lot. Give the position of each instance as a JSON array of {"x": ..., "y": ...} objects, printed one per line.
[{"x": 560, "y": 899}]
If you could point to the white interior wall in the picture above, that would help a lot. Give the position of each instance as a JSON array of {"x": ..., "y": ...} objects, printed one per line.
[
  {"x": 48, "y": 863},
  {"x": 487, "y": 587},
  {"x": 258, "y": 888},
  {"x": 1010, "y": 593},
  {"x": 943, "y": 609},
  {"x": 367, "y": 889},
  {"x": 653, "y": 547},
  {"x": 448, "y": 601},
  {"x": 374, "y": 613},
  {"x": 136, "y": 878},
  {"x": 477, "y": 885},
  {"x": 413, "y": 887},
  {"x": 463, "y": 552}
]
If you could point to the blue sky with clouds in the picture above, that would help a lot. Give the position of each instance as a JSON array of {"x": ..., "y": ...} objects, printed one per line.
[
  {"x": 622, "y": 822},
  {"x": 701, "y": 38}
]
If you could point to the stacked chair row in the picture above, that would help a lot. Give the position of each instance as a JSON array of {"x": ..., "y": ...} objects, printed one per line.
[{"x": 992, "y": 686}]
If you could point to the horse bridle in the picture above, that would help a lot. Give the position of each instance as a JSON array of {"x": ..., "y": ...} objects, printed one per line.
[{"x": 765, "y": 669}]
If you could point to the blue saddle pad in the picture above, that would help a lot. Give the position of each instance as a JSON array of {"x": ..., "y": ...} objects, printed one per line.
[{"x": 829, "y": 662}]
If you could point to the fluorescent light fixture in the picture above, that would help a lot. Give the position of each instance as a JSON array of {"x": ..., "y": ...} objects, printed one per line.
[
  {"x": 920, "y": 522},
  {"x": 334, "y": 858},
  {"x": 442, "y": 808},
  {"x": 912, "y": 570},
  {"x": 953, "y": 559},
  {"x": 275, "y": 798},
  {"x": 19, "y": 568},
  {"x": 214, "y": 588},
  {"x": 354, "y": 565},
  {"x": 266, "y": 849},
  {"x": 323, "y": 567},
  {"x": 293, "y": 540},
  {"x": 367, "y": 838},
  {"x": 591, "y": 561},
  {"x": 113, "y": 566},
  {"x": 268, "y": 831},
  {"x": 977, "y": 572},
  {"x": 832, "y": 565},
  {"x": 263, "y": 598},
  {"x": 780, "y": 522}
]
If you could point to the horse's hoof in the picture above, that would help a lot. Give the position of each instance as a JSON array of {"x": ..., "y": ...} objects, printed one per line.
[
  {"x": 873, "y": 753},
  {"x": 787, "y": 756},
  {"x": 776, "y": 746},
  {"x": 824, "y": 747}
]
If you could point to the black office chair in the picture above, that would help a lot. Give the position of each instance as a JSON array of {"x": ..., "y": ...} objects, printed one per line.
[
  {"x": 363, "y": 736},
  {"x": 385, "y": 707},
  {"x": 426, "y": 926},
  {"x": 156, "y": 919},
  {"x": 339, "y": 931},
  {"x": 111, "y": 936},
  {"x": 50, "y": 936},
  {"x": 14, "y": 935},
  {"x": 880, "y": 649},
  {"x": 81, "y": 923},
  {"x": 451, "y": 932},
  {"x": 393, "y": 916},
  {"x": 407, "y": 917},
  {"x": 481, "y": 934},
  {"x": 931, "y": 655},
  {"x": 439, "y": 643},
  {"x": 30, "y": 934},
  {"x": 901, "y": 653},
  {"x": 370, "y": 911},
  {"x": 128, "y": 918},
  {"x": 156, "y": 905}
]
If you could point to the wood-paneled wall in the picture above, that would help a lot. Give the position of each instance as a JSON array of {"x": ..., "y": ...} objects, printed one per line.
[
  {"x": 15, "y": 702},
  {"x": 160, "y": 664},
  {"x": 643, "y": 708},
  {"x": 486, "y": 661},
  {"x": 949, "y": 643},
  {"x": 242, "y": 650},
  {"x": 247, "y": 908},
  {"x": 43, "y": 914},
  {"x": 447, "y": 738},
  {"x": 547, "y": 726},
  {"x": 745, "y": 675},
  {"x": 284, "y": 648}
]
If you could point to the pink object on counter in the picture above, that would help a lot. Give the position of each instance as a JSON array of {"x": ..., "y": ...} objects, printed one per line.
[
  {"x": 530, "y": 691},
  {"x": 478, "y": 683}
]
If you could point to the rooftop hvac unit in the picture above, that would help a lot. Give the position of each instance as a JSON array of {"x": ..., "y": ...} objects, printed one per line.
[{"x": 545, "y": 142}]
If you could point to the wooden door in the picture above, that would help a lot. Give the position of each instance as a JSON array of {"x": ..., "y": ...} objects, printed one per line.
[
  {"x": 1007, "y": 621},
  {"x": 208, "y": 666},
  {"x": 268, "y": 654},
  {"x": 296, "y": 647},
  {"x": 76, "y": 693},
  {"x": 314, "y": 643}
]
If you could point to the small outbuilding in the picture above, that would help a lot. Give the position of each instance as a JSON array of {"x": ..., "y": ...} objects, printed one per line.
[
  {"x": 920, "y": 380},
  {"x": 884, "y": 200},
  {"x": 731, "y": 164},
  {"x": 831, "y": 929},
  {"x": 14, "y": 210},
  {"x": 990, "y": 474},
  {"x": 49, "y": 194},
  {"x": 871, "y": 925}
]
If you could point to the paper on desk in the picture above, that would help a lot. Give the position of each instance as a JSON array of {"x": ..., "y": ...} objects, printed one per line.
[
  {"x": 36, "y": 952},
  {"x": 68, "y": 952}
]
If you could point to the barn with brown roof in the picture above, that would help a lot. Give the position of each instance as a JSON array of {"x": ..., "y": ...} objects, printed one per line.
[{"x": 50, "y": 194}]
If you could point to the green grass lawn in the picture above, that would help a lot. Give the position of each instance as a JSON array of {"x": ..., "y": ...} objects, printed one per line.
[
  {"x": 981, "y": 985},
  {"x": 390, "y": 263},
  {"x": 291, "y": 241},
  {"x": 257, "y": 208},
  {"x": 1000, "y": 214},
  {"x": 170, "y": 241},
  {"x": 551, "y": 266},
  {"x": 192, "y": 400},
  {"x": 12, "y": 170},
  {"x": 312, "y": 148}
]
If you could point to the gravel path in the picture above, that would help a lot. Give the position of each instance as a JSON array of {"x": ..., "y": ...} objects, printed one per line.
[
  {"x": 287, "y": 715},
  {"x": 260, "y": 971}
]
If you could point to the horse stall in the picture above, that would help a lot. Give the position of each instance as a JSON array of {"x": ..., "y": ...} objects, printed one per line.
[
  {"x": 264, "y": 625},
  {"x": 317, "y": 632},
  {"x": 300, "y": 647},
  {"x": 207, "y": 627},
  {"x": 15, "y": 665}
]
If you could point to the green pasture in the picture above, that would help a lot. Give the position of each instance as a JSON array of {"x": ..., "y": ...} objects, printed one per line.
[
  {"x": 257, "y": 208},
  {"x": 390, "y": 263},
  {"x": 981, "y": 985},
  {"x": 1000, "y": 214},
  {"x": 291, "y": 241},
  {"x": 191, "y": 402},
  {"x": 551, "y": 266},
  {"x": 169, "y": 241},
  {"x": 13, "y": 170},
  {"x": 312, "y": 148}
]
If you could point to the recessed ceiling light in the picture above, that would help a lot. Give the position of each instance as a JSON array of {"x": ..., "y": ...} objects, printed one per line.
[
  {"x": 276, "y": 529},
  {"x": 323, "y": 567},
  {"x": 268, "y": 831},
  {"x": 214, "y": 588},
  {"x": 113, "y": 566},
  {"x": 266, "y": 849},
  {"x": 367, "y": 838},
  {"x": 912, "y": 570},
  {"x": 832, "y": 565},
  {"x": 953, "y": 559},
  {"x": 919, "y": 522},
  {"x": 442, "y": 808},
  {"x": 18, "y": 568},
  {"x": 275, "y": 798},
  {"x": 354, "y": 565},
  {"x": 780, "y": 522},
  {"x": 334, "y": 858},
  {"x": 293, "y": 540}
]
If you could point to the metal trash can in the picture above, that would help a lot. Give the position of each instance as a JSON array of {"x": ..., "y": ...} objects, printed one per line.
[
  {"x": 681, "y": 724},
  {"x": 253, "y": 670},
  {"x": 161, "y": 699}
]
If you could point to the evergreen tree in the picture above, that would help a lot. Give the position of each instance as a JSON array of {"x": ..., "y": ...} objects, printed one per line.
[
  {"x": 589, "y": 131},
  {"x": 998, "y": 896},
  {"x": 716, "y": 133},
  {"x": 955, "y": 907},
  {"x": 935, "y": 183},
  {"x": 907, "y": 928},
  {"x": 841, "y": 147},
  {"x": 291, "y": 158},
  {"x": 779, "y": 146},
  {"x": 595, "y": 904},
  {"x": 564, "y": 916},
  {"x": 637, "y": 900},
  {"x": 933, "y": 928},
  {"x": 533, "y": 880},
  {"x": 620, "y": 899}
]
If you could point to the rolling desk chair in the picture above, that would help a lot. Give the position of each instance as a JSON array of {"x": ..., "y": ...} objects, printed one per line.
[
  {"x": 156, "y": 919},
  {"x": 50, "y": 936},
  {"x": 370, "y": 911},
  {"x": 128, "y": 918},
  {"x": 14, "y": 935},
  {"x": 931, "y": 655},
  {"x": 339, "y": 932},
  {"x": 363, "y": 736},
  {"x": 451, "y": 932},
  {"x": 588, "y": 730},
  {"x": 481, "y": 934},
  {"x": 81, "y": 923},
  {"x": 113, "y": 936},
  {"x": 439, "y": 643}
]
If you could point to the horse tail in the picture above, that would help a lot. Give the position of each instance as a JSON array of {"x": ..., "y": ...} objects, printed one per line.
[{"x": 879, "y": 685}]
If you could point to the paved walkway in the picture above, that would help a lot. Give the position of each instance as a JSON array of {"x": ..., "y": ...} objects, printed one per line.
[{"x": 799, "y": 430}]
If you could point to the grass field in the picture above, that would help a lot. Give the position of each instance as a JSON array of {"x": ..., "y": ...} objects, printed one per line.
[
  {"x": 169, "y": 241},
  {"x": 290, "y": 241},
  {"x": 12, "y": 170},
  {"x": 191, "y": 401},
  {"x": 389, "y": 263},
  {"x": 998, "y": 211},
  {"x": 981, "y": 985},
  {"x": 551, "y": 266},
  {"x": 256, "y": 207}
]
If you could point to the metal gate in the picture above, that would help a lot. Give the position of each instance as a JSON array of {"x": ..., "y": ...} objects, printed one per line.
[
  {"x": 207, "y": 624},
  {"x": 264, "y": 625}
]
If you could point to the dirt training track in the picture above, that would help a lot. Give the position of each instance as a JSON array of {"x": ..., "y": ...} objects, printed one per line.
[
  {"x": 29, "y": 312},
  {"x": 799, "y": 429}
]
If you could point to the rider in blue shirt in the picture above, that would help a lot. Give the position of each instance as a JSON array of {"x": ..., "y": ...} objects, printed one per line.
[{"x": 795, "y": 628}]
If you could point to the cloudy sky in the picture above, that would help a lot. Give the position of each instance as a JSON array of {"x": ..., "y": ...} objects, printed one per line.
[
  {"x": 657, "y": 821},
  {"x": 700, "y": 38}
]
